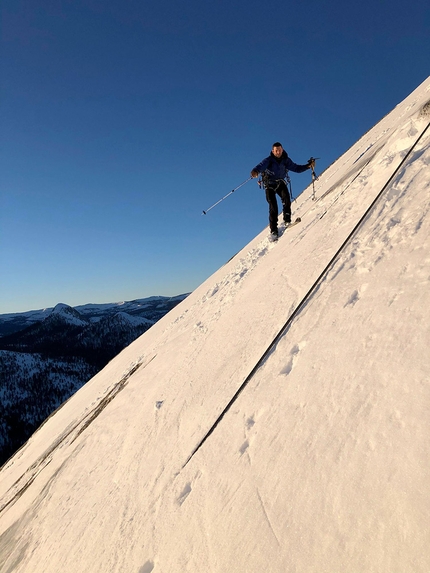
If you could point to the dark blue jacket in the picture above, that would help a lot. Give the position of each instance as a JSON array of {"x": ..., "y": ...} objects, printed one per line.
[{"x": 276, "y": 169}]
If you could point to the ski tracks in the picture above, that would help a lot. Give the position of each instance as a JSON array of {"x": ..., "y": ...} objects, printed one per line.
[{"x": 222, "y": 292}]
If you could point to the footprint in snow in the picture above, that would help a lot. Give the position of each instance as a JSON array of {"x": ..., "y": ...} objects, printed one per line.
[
  {"x": 244, "y": 447},
  {"x": 355, "y": 296},
  {"x": 248, "y": 425},
  {"x": 147, "y": 567},
  {"x": 187, "y": 490},
  {"x": 293, "y": 358},
  {"x": 185, "y": 493}
]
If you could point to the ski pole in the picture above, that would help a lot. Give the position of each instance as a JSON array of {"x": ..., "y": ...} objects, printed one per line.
[
  {"x": 289, "y": 187},
  {"x": 225, "y": 196},
  {"x": 314, "y": 175}
]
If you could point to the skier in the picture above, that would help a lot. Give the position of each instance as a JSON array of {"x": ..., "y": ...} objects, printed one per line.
[{"x": 274, "y": 169}]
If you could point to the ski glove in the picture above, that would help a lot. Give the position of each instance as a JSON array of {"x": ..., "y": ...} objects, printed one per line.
[{"x": 254, "y": 173}]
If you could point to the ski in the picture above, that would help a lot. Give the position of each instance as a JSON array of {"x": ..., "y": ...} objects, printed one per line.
[
  {"x": 289, "y": 225},
  {"x": 273, "y": 238}
]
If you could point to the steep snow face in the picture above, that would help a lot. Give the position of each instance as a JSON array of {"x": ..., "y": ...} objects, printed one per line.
[{"x": 277, "y": 419}]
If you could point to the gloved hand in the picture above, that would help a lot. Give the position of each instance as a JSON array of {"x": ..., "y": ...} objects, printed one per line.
[
  {"x": 311, "y": 163},
  {"x": 254, "y": 173}
]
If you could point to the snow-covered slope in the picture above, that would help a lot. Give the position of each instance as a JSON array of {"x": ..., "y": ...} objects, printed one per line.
[{"x": 277, "y": 419}]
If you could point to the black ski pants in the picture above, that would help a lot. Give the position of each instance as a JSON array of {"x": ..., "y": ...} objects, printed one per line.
[{"x": 273, "y": 189}]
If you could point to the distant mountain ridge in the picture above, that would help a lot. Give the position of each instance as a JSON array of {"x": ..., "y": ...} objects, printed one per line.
[{"x": 150, "y": 308}]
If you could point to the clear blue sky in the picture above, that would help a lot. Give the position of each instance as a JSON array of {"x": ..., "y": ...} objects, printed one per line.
[{"x": 121, "y": 120}]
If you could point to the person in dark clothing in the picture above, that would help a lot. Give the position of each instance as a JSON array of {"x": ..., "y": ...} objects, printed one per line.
[{"x": 274, "y": 169}]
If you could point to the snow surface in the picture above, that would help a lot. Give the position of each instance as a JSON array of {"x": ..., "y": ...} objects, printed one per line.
[{"x": 277, "y": 419}]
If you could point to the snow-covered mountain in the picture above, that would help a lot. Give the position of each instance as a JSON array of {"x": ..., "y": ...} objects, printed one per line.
[
  {"x": 63, "y": 328},
  {"x": 150, "y": 308},
  {"x": 275, "y": 420},
  {"x": 66, "y": 314}
]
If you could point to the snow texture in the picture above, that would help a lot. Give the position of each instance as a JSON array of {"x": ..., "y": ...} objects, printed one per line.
[{"x": 277, "y": 419}]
